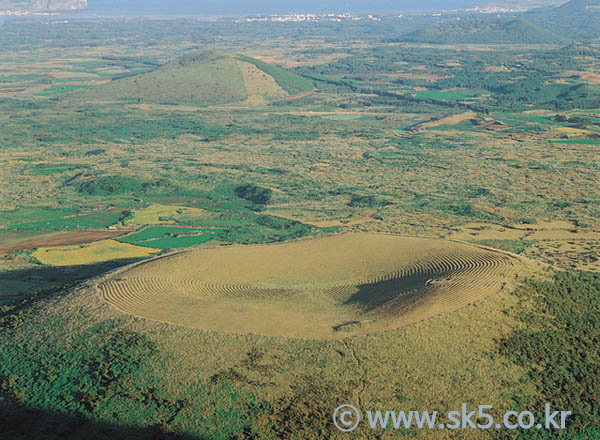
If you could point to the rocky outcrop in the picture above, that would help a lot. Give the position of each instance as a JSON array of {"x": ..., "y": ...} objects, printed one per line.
[{"x": 43, "y": 5}]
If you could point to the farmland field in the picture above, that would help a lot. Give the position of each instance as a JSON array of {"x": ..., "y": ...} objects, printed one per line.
[
  {"x": 98, "y": 251},
  {"x": 225, "y": 228}
]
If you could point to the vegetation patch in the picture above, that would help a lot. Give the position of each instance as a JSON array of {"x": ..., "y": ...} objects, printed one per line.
[
  {"x": 514, "y": 246},
  {"x": 358, "y": 201},
  {"x": 119, "y": 184},
  {"x": 449, "y": 94},
  {"x": 253, "y": 228},
  {"x": 40, "y": 218},
  {"x": 288, "y": 81},
  {"x": 254, "y": 193},
  {"x": 161, "y": 214},
  {"x": 62, "y": 89},
  {"x": 104, "y": 380},
  {"x": 54, "y": 168},
  {"x": 170, "y": 237},
  {"x": 348, "y": 117},
  {"x": 577, "y": 141},
  {"x": 558, "y": 344}
]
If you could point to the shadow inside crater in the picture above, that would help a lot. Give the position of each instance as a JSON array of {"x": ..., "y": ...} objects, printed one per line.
[{"x": 373, "y": 295}]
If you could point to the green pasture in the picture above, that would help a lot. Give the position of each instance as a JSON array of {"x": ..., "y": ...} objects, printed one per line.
[{"x": 166, "y": 237}]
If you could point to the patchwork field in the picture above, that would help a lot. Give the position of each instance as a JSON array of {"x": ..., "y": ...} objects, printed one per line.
[
  {"x": 20, "y": 241},
  {"x": 330, "y": 287},
  {"x": 160, "y": 214}
]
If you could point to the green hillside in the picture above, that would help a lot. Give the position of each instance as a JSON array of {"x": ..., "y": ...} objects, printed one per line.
[
  {"x": 484, "y": 31},
  {"x": 288, "y": 81},
  {"x": 577, "y": 19},
  {"x": 203, "y": 78}
]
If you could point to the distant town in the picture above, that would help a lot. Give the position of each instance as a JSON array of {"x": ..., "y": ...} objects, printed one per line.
[{"x": 309, "y": 17}]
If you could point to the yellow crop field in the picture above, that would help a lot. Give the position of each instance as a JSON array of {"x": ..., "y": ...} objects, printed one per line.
[
  {"x": 570, "y": 131},
  {"x": 450, "y": 120},
  {"x": 322, "y": 288},
  {"x": 161, "y": 214},
  {"x": 97, "y": 252}
]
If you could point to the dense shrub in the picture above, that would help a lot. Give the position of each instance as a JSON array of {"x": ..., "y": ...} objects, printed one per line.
[
  {"x": 116, "y": 184},
  {"x": 560, "y": 347},
  {"x": 367, "y": 202},
  {"x": 254, "y": 193},
  {"x": 108, "y": 376}
]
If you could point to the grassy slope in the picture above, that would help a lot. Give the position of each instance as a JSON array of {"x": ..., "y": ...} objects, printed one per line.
[
  {"x": 213, "y": 385},
  {"x": 288, "y": 81},
  {"x": 74, "y": 354}
]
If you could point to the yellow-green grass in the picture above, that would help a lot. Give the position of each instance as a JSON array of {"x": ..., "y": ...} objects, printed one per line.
[
  {"x": 450, "y": 120},
  {"x": 323, "y": 288},
  {"x": 259, "y": 86},
  {"x": 97, "y": 252}
]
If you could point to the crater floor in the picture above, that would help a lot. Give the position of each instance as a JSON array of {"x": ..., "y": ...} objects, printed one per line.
[{"x": 330, "y": 287}]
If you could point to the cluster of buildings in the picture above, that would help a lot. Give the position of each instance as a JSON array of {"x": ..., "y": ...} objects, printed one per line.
[{"x": 309, "y": 17}]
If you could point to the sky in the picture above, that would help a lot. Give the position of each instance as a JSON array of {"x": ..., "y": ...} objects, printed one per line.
[{"x": 270, "y": 6}]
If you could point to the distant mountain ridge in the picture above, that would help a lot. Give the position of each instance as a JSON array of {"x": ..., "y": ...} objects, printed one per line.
[
  {"x": 578, "y": 4},
  {"x": 576, "y": 19},
  {"x": 484, "y": 31},
  {"x": 43, "y": 5}
]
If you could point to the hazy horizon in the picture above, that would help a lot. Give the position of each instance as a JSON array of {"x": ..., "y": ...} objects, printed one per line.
[{"x": 271, "y": 6}]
